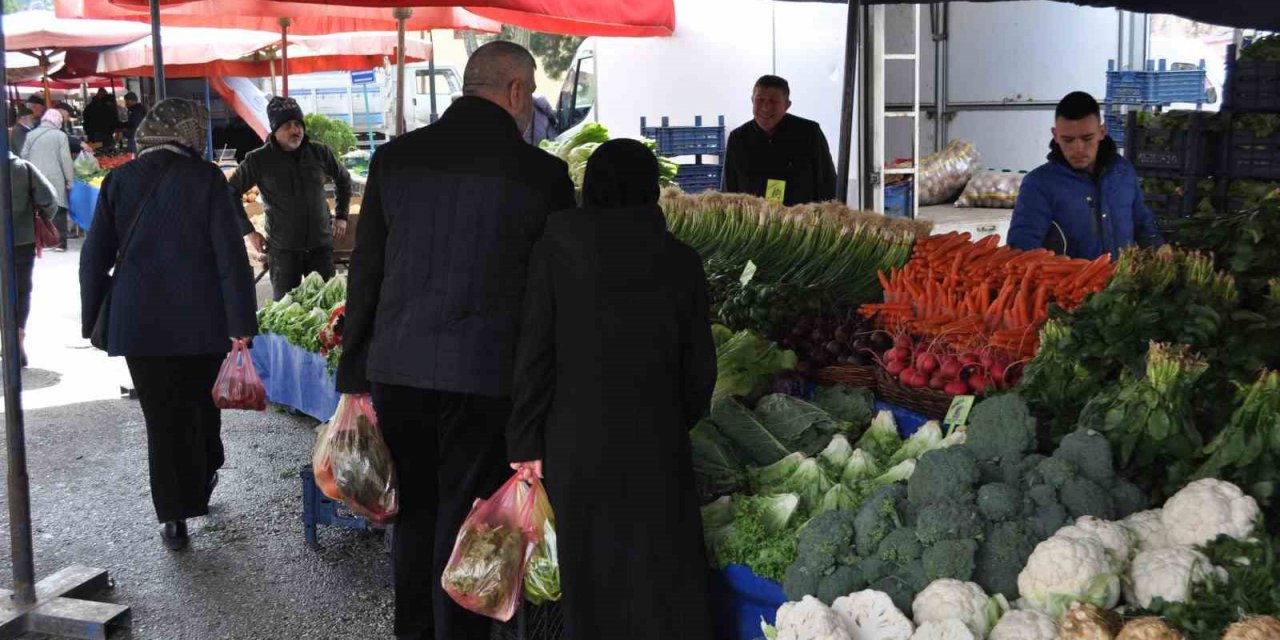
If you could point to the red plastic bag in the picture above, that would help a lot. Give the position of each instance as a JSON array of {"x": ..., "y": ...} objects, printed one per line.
[
  {"x": 352, "y": 462},
  {"x": 485, "y": 574},
  {"x": 238, "y": 385}
]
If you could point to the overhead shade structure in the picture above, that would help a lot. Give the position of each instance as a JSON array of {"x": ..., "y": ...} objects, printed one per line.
[
  {"x": 33, "y": 30},
  {"x": 200, "y": 53},
  {"x": 260, "y": 15},
  {"x": 617, "y": 18}
]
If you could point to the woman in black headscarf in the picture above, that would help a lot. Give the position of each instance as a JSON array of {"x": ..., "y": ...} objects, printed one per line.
[{"x": 615, "y": 365}]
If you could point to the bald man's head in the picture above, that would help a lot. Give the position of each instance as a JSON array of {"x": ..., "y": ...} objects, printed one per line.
[{"x": 502, "y": 73}]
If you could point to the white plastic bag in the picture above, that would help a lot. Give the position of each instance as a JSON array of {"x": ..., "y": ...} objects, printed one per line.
[
  {"x": 86, "y": 165},
  {"x": 943, "y": 175},
  {"x": 992, "y": 189}
]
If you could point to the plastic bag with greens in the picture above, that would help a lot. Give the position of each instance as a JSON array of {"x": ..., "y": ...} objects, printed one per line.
[
  {"x": 353, "y": 452},
  {"x": 542, "y": 576},
  {"x": 486, "y": 570}
]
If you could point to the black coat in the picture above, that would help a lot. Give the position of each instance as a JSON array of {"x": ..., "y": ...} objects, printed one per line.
[
  {"x": 185, "y": 285},
  {"x": 616, "y": 365},
  {"x": 797, "y": 154},
  {"x": 450, "y": 214},
  {"x": 292, "y": 186}
]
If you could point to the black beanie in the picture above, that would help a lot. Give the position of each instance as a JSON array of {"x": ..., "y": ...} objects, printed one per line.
[{"x": 282, "y": 110}]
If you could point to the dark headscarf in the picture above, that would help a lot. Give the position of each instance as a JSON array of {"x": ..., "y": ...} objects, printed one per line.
[
  {"x": 175, "y": 121},
  {"x": 621, "y": 173}
]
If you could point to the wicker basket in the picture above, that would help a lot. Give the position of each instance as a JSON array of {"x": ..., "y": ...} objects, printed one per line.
[
  {"x": 849, "y": 375},
  {"x": 926, "y": 402}
]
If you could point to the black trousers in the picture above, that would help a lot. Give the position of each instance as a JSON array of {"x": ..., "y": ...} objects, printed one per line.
[
  {"x": 289, "y": 267},
  {"x": 60, "y": 223},
  {"x": 448, "y": 450},
  {"x": 24, "y": 259},
  {"x": 184, "y": 430}
]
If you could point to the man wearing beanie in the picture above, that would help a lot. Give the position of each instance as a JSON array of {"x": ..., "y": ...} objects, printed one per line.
[{"x": 290, "y": 170}]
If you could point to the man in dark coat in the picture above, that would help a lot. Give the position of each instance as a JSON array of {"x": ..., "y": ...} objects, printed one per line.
[
  {"x": 778, "y": 155},
  {"x": 290, "y": 170},
  {"x": 616, "y": 364},
  {"x": 136, "y": 113},
  {"x": 450, "y": 214},
  {"x": 101, "y": 118}
]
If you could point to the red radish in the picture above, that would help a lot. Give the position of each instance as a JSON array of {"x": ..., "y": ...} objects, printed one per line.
[
  {"x": 986, "y": 360},
  {"x": 927, "y": 363},
  {"x": 937, "y": 383},
  {"x": 978, "y": 382},
  {"x": 956, "y": 388},
  {"x": 968, "y": 358},
  {"x": 997, "y": 374},
  {"x": 950, "y": 368},
  {"x": 903, "y": 342},
  {"x": 894, "y": 368},
  {"x": 899, "y": 353},
  {"x": 906, "y": 375}
]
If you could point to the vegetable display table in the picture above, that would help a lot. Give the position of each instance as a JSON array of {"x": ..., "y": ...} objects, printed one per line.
[
  {"x": 82, "y": 202},
  {"x": 294, "y": 377}
]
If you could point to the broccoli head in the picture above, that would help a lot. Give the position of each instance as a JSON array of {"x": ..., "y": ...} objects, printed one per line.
[
  {"x": 1083, "y": 497},
  {"x": 826, "y": 541},
  {"x": 798, "y": 582},
  {"x": 999, "y": 502},
  {"x": 883, "y": 512},
  {"x": 1091, "y": 453},
  {"x": 944, "y": 475},
  {"x": 1040, "y": 495},
  {"x": 953, "y": 559},
  {"x": 873, "y": 568},
  {"x": 1001, "y": 428},
  {"x": 948, "y": 521},
  {"x": 900, "y": 547},
  {"x": 1056, "y": 472},
  {"x": 842, "y": 582},
  {"x": 1002, "y": 554},
  {"x": 1128, "y": 498},
  {"x": 903, "y": 585},
  {"x": 1045, "y": 520}
]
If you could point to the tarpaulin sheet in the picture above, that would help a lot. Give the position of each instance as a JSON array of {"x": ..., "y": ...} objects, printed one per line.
[
  {"x": 82, "y": 203},
  {"x": 294, "y": 377}
]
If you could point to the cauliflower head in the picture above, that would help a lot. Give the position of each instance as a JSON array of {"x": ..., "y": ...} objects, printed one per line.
[
  {"x": 951, "y": 629},
  {"x": 809, "y": 619},
  {"x": 953, "y": 599},
  {"x": 1148, "y": 530},
  {"x": 871, "y": 615},
  {"x": 1206, "y": 509},
  {"x": 1065, "y": 570},
  {"x": 1117, "y": 538},
  {"x": 1025, "y": 625},
  {"x": 1169, "y": 574}
]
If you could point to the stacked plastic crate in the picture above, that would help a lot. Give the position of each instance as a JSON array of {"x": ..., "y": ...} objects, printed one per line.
[
  {"x": 1150, "y": 89},
  {"x": 1251, "y": 139},
  {"x": 695, "y": 142}
]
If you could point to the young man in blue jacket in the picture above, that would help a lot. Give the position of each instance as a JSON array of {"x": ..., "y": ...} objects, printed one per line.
[{"x": 1086, "y": 200}]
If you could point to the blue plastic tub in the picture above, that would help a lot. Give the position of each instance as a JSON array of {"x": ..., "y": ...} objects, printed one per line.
[
  {"x": 742, "y": 598},
  {"x": 898, "y": 200}
]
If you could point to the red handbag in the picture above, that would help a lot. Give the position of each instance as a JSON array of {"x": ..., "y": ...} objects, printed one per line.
[{"x": 46, "y": 234}]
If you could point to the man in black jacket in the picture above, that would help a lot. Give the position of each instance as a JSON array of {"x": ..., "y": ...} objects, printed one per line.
[
  {"x": 450, "y": 216},
  {"x": 290, "y": 170},
  {"x": 777, "y": 155}
]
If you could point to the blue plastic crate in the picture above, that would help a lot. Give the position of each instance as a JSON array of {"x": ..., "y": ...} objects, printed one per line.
[
  {"x": 1155, "y": 86},
  {"x": 318, "y": 509},
  {"x": 899, "y": 200},
  {"x": 1115, "y": 122},
  {"x": 696, "y": 178},
  {"x": 686, "y": 141}
]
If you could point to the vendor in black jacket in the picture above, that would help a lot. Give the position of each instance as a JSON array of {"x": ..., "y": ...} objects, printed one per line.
[
  {"x": 778, "y": 155},
  {"x": 290, "y": 171}
]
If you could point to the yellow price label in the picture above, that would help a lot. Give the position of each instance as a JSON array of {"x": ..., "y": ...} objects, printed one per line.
[
  {"x": 958, "y": 414},
  {"x": 775, "y": 191}
]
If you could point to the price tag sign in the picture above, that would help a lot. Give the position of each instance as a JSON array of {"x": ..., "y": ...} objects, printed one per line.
[
  {"x": 748, "y": 273},
  {"x": 775, "y": 191},
  {"x": 958, "y": 414}
]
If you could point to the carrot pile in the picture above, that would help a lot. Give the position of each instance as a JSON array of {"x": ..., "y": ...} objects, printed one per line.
[{"x": 979, "y": 294}]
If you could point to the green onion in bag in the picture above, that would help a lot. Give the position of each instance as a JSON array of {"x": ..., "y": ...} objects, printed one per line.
[{"x": 542, "y": 574}]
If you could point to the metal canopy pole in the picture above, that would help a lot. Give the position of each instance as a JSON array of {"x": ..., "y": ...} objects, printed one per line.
[
  {"x": 431, "y": 69},
  {"x": 157, "y": 52},
  {"x": 846, "y": 103},
  {"x": 400, "y": 14},
  {"x": 284, "y": 55},
  {"x": 46, "y": 607}
]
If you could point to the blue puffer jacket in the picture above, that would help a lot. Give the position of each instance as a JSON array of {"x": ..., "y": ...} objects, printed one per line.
[{"x": 1076, "y": 214}]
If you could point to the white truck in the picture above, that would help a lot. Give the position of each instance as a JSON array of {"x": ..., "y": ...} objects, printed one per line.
[{"x": 333, "y": 94}]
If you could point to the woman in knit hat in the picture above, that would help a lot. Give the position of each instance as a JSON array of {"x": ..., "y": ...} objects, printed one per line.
[{"x": 180, "y": 294}]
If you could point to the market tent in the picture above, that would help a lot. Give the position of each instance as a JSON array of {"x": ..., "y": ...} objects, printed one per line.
[
  {"x": 629, "y": 18},
  {"x": 199, "y": 53},
  {"x": 31, "y": 30},
  {"x": 259, "y": 15}
]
